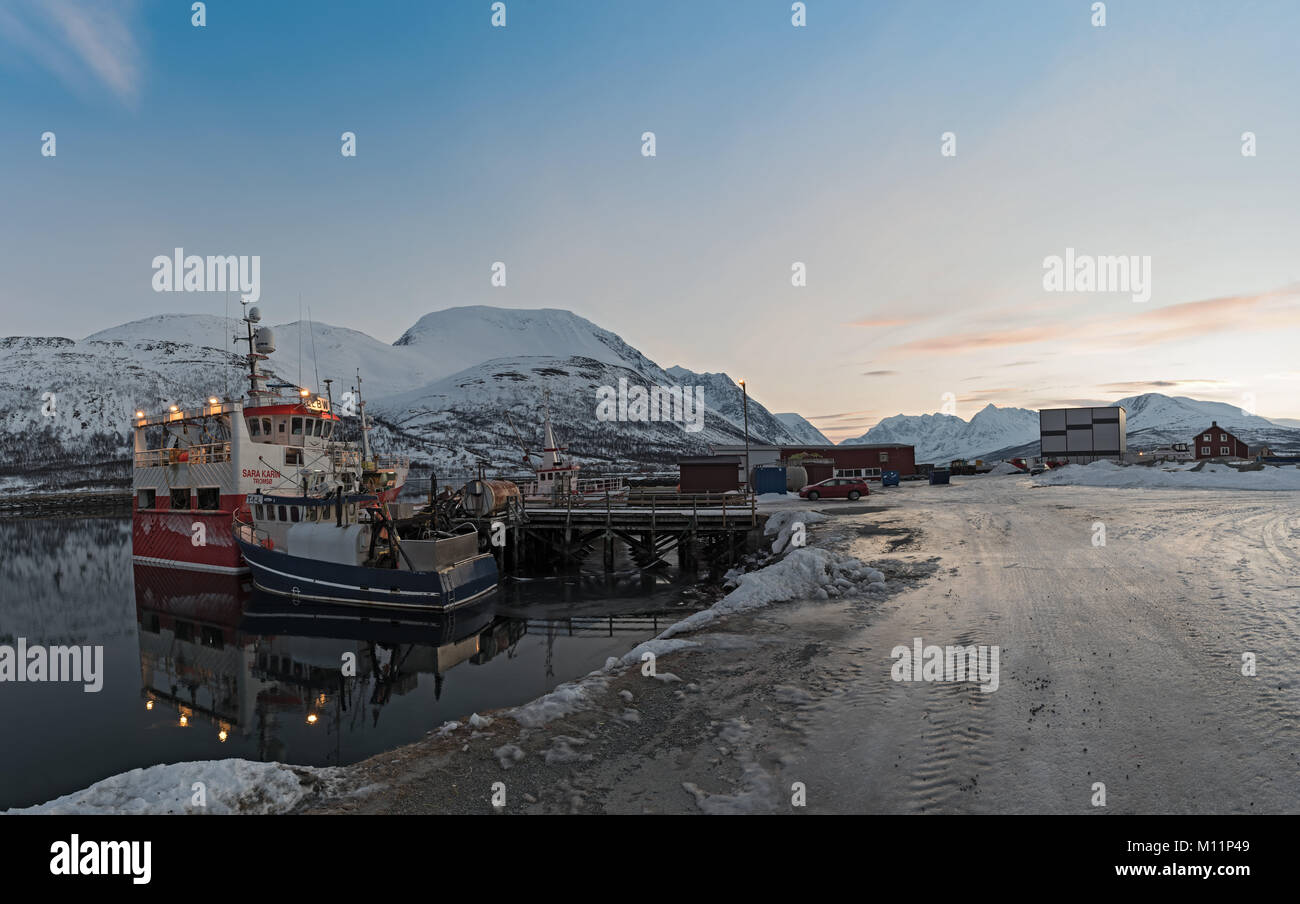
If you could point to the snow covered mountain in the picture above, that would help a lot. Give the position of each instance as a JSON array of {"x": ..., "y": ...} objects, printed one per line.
[
  {"x": 943, "y": 437},
  {"x": 1152, "y": 419},
  {"x": 438, "y": 392},
  {"x": 802, "y": 431}
]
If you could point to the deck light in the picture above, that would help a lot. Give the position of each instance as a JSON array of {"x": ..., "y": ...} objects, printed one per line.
[
  {"x": 185, "y": 720},
  {"x": 311, "y": 719},
  {"x": 221, "y": 736},
  {"x": 304, "y": 393},
  {"x": 212, "y": 401},
  {"x": 139, "y": 414},
  {"x": 148, "y": 704},
  {"x": 174, "y": 408}
]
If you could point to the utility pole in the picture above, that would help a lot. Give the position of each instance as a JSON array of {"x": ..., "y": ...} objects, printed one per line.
[{"x": 745, "y": 392}]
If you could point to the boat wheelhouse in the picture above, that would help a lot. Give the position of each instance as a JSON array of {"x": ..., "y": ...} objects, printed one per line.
[{"x": 194, "y": 467}]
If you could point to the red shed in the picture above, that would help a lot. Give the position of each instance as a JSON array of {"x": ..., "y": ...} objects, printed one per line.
[{"x": 710, "y": 474}]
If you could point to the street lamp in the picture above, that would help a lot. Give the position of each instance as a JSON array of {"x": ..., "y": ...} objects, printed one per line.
[{"x": 745, "y": 393}]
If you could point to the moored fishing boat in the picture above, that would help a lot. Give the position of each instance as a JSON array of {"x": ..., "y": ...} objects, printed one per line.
[
  {"x": 194, "y": 467},
  {"x": 346, "y": 554}
]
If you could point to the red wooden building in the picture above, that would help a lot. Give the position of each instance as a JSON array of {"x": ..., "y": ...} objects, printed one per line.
[
  {"x": 1217, "y": 442},
  {"x": 821, "y": 462}
]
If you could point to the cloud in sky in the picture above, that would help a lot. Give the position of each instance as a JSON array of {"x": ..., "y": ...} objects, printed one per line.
[
  {"x": 1187, "y": 320},
  {"x": 79, "y": 41}
]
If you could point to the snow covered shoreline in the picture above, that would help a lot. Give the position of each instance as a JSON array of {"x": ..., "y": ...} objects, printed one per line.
[
  {"x": 1186, "y": 476},
  {"x": 238, "y": 786}
]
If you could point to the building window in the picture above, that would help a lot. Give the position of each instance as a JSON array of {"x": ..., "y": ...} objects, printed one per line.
[
  {"x": 1205, "y": 450},
  {"x": 1223, "y": 437},
  {"x": 148, "y": 499},
  {"x": 1223, "y": 450},
  {"x": 884, "y": 456},
  {"x": 1208, "y": 437},
  {"x": 181, "y": 499}
]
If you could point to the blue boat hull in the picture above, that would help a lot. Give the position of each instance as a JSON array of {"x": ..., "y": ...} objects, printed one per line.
[{"x": 359, "y": 590}]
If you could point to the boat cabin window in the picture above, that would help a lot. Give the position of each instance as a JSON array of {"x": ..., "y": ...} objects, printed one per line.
[
  {"x": 259, "y": 513},
  {"x": 266, "y": 426},
  {"x": 283, "y": 516},
  {"x": 209, "y": 498},
  {"x": 147, "y": 499},
  {"x": 254, "y": 427},
  {"x": 297, "y": 426},
  {"x": 181, "y": 499},
  {"x": 279, "y": 425},
  {"x": 328, "y": 430},
  {"x": 293, "y": 456},
  {"x": 293, "y": 513}
]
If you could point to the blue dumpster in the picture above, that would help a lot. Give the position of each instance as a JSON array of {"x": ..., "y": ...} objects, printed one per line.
[
  {"x": 769, "y": 479},
  {"x": 889, "y": 478},
  {"x": 938, "y": 475}
]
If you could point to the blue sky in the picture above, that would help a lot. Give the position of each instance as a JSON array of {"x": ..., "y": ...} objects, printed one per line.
[{"x": 775, "y": 144}]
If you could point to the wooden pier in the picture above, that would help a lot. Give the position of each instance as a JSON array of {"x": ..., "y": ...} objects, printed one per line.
[{"x": 710, "y": 530}]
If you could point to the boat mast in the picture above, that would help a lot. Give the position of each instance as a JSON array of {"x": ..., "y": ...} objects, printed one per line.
[
  {"x": 365, "y": 428},
  {"x": 552, "y": 459},
  {"x": 256, "y": 380}
]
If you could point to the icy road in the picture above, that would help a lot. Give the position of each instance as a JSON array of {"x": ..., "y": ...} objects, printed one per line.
[{"x": 1121, "y": 665}]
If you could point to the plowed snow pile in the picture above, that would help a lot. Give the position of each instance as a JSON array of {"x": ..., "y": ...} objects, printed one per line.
[{"x": 1209, "y": 477}]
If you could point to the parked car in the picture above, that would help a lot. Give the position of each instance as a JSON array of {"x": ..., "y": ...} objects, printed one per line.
[{"x": 836, "y": 488}]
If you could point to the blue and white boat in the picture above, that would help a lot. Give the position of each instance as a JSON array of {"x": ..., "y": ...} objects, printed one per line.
[{"x": 346, "y": 553}]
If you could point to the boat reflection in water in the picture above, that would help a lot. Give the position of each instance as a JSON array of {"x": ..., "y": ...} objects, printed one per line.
[{"x": 216, "y": 651}]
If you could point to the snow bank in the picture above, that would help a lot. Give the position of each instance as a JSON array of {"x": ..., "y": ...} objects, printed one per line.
[
  {"x": 806, "y": 573},
  {"x": 1211, "y": 476},
  {"x": 229, "y": 787},
  {"x": 779, "y": 521},
  {"x": 1004, "y": 467}
]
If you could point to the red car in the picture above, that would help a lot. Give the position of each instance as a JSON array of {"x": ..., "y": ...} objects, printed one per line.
[{"x": 836, "y": 488}]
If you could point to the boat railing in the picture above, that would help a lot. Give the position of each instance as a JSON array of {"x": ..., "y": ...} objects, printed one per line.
[
  {"x": 204, "y": 453},
  {"x": 246, "y": 530},
  {"x": 600, "y": 485},
  {"x": 390, "y": 463},
  {"x": 345, "y": 459}
]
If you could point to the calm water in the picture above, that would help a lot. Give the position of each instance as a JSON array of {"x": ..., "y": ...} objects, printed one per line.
[{"x": 199, "y": 667}]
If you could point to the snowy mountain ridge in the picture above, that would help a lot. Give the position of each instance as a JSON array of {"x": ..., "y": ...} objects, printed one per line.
[
  {"x": 71, "y": 402},
  {"x": 1152, "y": 419}
]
